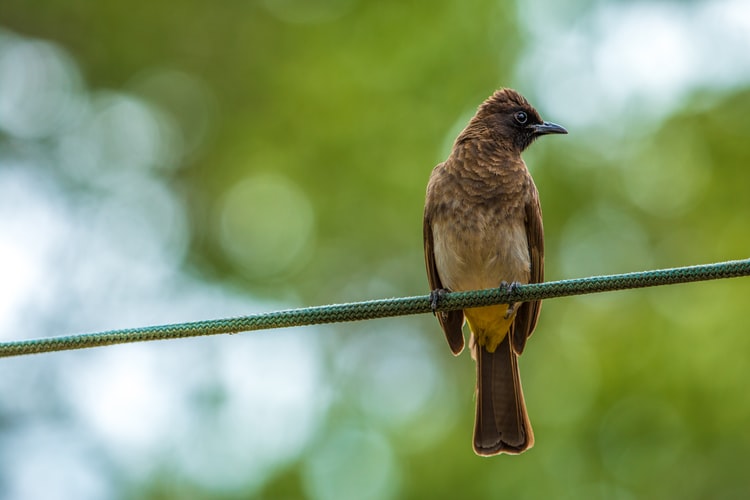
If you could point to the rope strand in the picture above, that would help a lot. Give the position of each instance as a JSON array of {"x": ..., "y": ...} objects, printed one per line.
[{"x": 382, "y": 308}]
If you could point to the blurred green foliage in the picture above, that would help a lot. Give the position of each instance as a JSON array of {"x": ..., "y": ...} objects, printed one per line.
[{"x": 637, "y": 394}]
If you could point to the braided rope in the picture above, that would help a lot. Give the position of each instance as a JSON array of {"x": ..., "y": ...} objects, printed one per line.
[{"x": 382, "y": 308}]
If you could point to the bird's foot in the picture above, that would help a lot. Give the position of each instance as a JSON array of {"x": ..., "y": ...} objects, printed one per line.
[
  {"x": 435, "y": 297},
  {"x": 510, "y": 288}
]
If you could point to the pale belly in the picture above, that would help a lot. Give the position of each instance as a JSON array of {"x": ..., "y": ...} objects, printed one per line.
[{"x": 483, "y": 258}]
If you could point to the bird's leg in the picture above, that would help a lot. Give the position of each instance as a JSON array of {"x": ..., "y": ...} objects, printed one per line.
[
  {"x": 510, "y": 289},
  {"x": 435, "y": 296}
]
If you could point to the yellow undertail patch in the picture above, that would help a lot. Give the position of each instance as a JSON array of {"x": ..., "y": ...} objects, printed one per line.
[{"x": 488, "y": 324}]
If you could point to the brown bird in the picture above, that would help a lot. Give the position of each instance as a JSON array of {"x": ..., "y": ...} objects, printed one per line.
[{"x": 483, "y": 229}]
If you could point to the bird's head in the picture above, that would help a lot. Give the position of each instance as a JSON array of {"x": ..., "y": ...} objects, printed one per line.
[{"x": 509, "y": 118}]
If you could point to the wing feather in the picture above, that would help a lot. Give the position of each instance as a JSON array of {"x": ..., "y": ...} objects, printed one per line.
[
  {"x": 451, "y": 321},
  {"x": 528, "y": 313}
]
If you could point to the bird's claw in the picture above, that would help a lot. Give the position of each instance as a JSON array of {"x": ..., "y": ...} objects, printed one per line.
[
  {"x": 510, "y": 288},
  {"x": 435, "y": 296}
]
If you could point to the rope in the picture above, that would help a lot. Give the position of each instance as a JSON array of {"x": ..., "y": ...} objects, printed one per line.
[{"x": 382, "y": 308}]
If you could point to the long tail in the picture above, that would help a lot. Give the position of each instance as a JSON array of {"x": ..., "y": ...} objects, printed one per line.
[{"x": 502, "y": 424}]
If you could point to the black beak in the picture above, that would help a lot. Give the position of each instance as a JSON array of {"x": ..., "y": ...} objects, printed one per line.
[{"x": 548, "y": 128}]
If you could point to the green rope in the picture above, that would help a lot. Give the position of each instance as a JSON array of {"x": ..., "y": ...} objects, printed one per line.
[{"x": 382, "y": 308}]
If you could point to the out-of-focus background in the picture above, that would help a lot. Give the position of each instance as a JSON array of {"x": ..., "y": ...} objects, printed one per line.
[{"x": 174, "y": 161}]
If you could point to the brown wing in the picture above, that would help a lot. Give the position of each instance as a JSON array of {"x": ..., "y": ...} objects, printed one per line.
[
  {"x": 528, "y": 313},
  {"x": 451, "y": 321}
]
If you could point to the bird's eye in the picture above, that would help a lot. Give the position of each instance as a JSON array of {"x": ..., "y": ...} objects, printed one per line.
[{"x": 521, "y": 117}]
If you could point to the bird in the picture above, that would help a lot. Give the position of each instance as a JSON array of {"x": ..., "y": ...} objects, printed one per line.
[{"x": 483, "y": 229}]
